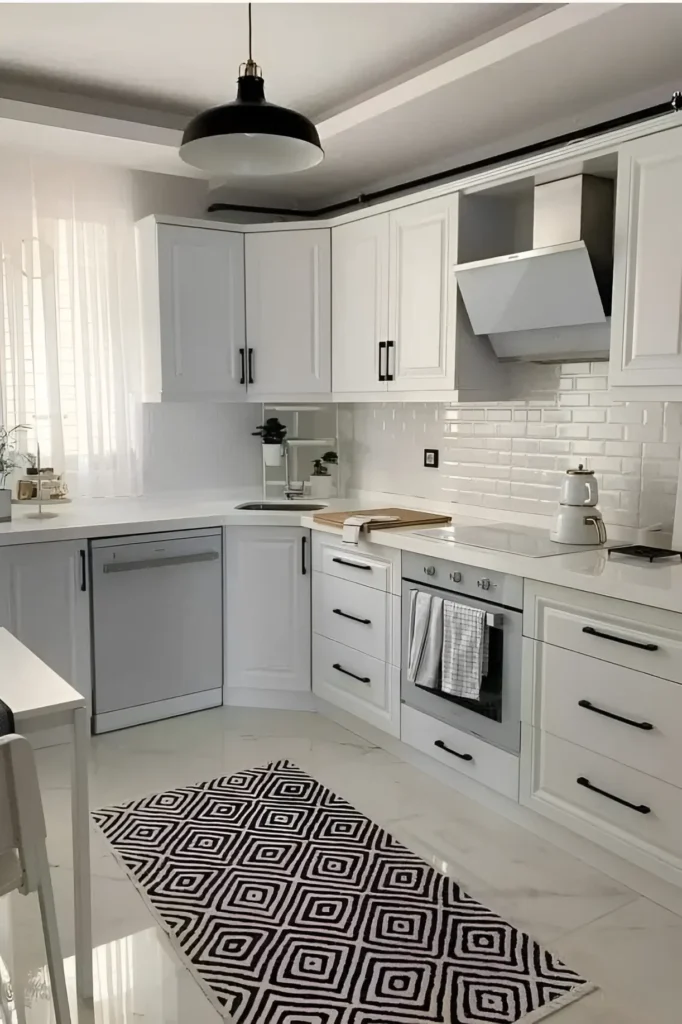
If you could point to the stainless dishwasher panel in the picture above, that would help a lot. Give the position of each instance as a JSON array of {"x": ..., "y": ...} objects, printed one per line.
[{"x": 157, "y": 625}]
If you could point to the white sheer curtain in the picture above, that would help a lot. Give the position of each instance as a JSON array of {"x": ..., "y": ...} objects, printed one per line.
[{"x": 70, "y": 348}]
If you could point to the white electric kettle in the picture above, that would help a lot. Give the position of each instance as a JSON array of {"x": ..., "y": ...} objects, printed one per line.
[
  {"x": 579, "y": 487},
  {"x": 578, "y": 520}
]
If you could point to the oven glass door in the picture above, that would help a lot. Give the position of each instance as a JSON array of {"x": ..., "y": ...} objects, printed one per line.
[{"x": 495, "y": 717}]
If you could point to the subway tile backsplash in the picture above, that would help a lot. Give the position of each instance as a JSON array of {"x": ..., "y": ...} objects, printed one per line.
[{"x": 512, "y": 455}]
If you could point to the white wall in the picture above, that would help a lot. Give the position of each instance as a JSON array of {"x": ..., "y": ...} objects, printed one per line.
[
  {"x": 513, "y": 455},
  {"x": 200, "y": 447}
]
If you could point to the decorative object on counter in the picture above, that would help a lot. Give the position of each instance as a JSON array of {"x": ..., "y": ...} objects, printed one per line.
[
  {"x": 41, "y": 487},
  {"x": 644, "y": 551},
  {"x": 321, "y": 480},
  {"x": 250, "y": 136},
  {"x": 366, "y": 929},
  {"x": 10, "y": 459},
  {"x": 579, "y": 521},
  {"x": 272, "y": 433},
  {"x": 398, "y": 517}
]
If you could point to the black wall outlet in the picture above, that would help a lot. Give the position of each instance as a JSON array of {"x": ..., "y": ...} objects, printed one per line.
[{"x": 431, "y": 458}]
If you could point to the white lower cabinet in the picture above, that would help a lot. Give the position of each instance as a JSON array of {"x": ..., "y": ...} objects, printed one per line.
[
  {"x": 461, "y": 752},
  {"x": 44, "y": 602},
  {"x": 629, "y": 812},
  {"x": 357, "y": 683},
  {"x": 267, "y": 610},
  {"x": 356, "y": 625}
]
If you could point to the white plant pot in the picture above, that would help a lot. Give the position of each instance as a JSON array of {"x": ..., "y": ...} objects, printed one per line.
[
  {"x": 321, "y": 486},
  {"x": 272, "y": 454},
  {"x": 5, "y": 505}
]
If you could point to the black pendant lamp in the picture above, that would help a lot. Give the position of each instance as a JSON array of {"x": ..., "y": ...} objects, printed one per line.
[{"x": 250, "y": 137}]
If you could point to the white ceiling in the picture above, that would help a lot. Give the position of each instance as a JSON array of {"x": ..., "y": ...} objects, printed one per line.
[
  {"x": 186, "y": 56},
  {"x": 394, "y": 88}
]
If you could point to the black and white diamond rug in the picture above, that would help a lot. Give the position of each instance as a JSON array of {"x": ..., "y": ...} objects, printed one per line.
[{"x": 291, "y": 907}]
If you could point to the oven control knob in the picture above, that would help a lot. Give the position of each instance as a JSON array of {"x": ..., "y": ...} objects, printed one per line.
[
  {"x": 456, "y": 577},
  {"x": 430, "y": 570},
  {"x": 484, "y": 584}
]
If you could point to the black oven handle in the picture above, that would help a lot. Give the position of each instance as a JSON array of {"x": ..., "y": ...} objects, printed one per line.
[{"x": 449, "y": 750}]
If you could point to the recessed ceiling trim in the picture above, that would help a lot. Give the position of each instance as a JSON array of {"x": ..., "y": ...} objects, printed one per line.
[{"x": 505, "y": 42}]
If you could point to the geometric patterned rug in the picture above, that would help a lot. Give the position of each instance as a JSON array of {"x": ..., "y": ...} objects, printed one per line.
[{"x": 291, "y": 907}]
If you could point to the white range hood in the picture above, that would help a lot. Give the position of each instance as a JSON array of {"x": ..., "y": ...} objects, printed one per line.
[{"x": 535, "y": 304}]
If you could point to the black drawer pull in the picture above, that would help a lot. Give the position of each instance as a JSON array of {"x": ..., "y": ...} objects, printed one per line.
[
  {"x": 448, "y": 750},
  {"x": 640, "y": 808},
  {"x": 647, "y": 726},
  {"x": 242, "y": 357},
  {"x": 619, "y": 639},
  {"x": 383, "y": 350},
  {"x": 345, "y": 615},
  {"x": 353, "y": 565},
  {"x": 360, "y": 679}
]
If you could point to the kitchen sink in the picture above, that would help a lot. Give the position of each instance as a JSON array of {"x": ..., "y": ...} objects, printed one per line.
[{"x": 278, "y": 506}]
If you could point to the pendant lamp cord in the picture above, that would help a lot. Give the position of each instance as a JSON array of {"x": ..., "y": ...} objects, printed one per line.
[{"x": 250, "y": 33}]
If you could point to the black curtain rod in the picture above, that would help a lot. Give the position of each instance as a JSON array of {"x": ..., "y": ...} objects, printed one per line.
[{"x": 674, "y": 104}]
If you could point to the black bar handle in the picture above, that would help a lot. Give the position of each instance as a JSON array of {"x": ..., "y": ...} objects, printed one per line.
[
  {"x": 250, "y": 366},
  {"x": 619, "y": 639},
  {"x": 345, "y": 615},
  {"x": 640, "y": 808},
  {"x": 84, "y": 574},
  {"x": 360, "y": 679},
  {"x": 389, "y": 348},
  {"x": 242, "y": 358},
  {"x": 353, "y": 565},
  {"x": 647, "y": 726},
  {"x": 304, "y": 571},
  {"x": 449, "y": 750},
  {"x": 382, "y": 351}
]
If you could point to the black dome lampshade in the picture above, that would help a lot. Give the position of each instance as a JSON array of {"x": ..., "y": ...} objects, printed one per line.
[{"x": 251, "y": 137}]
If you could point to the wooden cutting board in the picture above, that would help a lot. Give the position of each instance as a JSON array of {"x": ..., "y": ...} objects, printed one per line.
[{"x": 405, "y": 517}]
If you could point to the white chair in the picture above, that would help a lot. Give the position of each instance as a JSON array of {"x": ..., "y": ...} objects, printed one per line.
[{"x": 23, "y": 857}]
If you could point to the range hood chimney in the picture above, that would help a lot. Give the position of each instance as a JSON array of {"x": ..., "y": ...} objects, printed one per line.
[{"x": 564, "y": 281}]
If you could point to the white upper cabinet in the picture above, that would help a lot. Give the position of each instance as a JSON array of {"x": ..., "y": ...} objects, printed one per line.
[
  {"x": 394, "y": 300},
  {"x": 360, "y": 304},
  {"x": 288, "y": 314},
  {"x": 192, "y": 282},
  {"x": 646, "y": 325},
  {"x": 422, "y": 295}
]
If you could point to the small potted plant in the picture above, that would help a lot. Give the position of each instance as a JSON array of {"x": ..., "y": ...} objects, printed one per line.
[
  {"x": 321, "y": 481},
  {"x": 10, "y": 459},
  {"x": 272, "y": 434}
]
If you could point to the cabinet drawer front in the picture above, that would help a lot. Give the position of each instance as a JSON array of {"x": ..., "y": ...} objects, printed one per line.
[
  {"x": 352, "y": 564},
  {"x": 620, "y": 808},
  {"x": 357, "y": 683},
  {"x": 617, "y": 631},
  {"x": 577, "y": 697},
  {"x": 353, "y": 615},
  {"x": 459, "y": 750}
]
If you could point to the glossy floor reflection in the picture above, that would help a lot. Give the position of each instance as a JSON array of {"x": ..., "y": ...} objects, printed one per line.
[{"x": 630, "y": 947}]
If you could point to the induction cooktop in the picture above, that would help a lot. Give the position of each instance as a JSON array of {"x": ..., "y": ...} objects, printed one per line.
[{"x": 512, "y": 538}]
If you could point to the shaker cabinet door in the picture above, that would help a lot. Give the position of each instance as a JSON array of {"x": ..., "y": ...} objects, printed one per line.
[
  {"x": 646, "y": 324},
  {"x": 360, "y": 305},
  {"x": 201, "y": 312},
  {"x": 288, "y": 315}
]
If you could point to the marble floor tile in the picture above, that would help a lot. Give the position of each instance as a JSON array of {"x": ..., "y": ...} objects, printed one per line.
[{"x": 627, "y": 945}]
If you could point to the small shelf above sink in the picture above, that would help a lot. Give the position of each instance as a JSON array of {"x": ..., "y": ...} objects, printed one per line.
[{"x": 278, "y": 506}]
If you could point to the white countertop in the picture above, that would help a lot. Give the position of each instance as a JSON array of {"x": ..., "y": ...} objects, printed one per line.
[{"x": 658, "y": 585}]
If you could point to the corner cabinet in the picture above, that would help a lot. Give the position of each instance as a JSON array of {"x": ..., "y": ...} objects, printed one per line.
[
  {"x": 268, "y": 615},
  {"x": 646, "y": 324},
  {"x": 288, "y": 317},
  {"x": 192, "y": 292},
  {"x": 234, "y": 316}
]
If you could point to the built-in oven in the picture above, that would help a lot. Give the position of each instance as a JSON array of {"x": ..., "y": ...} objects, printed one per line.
[{"x": 496, "y": 715}]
